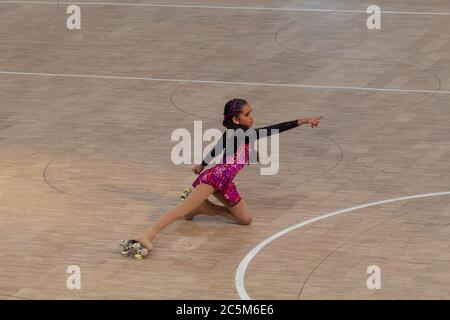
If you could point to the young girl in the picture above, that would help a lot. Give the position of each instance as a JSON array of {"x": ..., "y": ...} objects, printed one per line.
[{"x": 218, "y": 180}]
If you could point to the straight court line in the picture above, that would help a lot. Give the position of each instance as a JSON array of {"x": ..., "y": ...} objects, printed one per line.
[
  {"x": 226, "y": 7},
  {"x": 242, "y": 268},
  {"x": 284, "y": 85}
]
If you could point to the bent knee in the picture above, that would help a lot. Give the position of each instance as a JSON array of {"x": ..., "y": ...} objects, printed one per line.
[{"x": 246, "y": 220}]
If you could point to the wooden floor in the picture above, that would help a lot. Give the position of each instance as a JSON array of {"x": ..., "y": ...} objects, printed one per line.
[{"x": 85, "y": 129}]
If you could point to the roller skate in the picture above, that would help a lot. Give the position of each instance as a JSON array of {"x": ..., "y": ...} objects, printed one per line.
[
  {"x": 139, "y": 251},
  {"x": 127, "y": 247},
  {"x": 185, "y": 194},
  {"x": 133, "y": 248}
]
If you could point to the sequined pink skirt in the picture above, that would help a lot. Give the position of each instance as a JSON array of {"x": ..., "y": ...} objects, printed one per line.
[
  {"x": 221, "y": 178},
  {"x": 222, "y": 174}
]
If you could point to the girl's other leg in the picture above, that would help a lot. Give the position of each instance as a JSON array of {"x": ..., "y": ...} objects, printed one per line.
[
  {"x": 198, "y": 195},
  {"x": 239, "y": 213}
]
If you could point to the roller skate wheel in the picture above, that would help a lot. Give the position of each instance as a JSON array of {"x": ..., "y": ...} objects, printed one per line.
[
  {"x": 138, "y": 257},
  {"x": 143, "y": 252},
  {"x": 125, "y": 252},
  {"x": 136, "y": 246},
  {"x": 123, "y": 243}
]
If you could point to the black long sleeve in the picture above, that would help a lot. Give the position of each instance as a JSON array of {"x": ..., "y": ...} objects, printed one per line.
[
  {"x": 219, "y": 147},
  {"x": 260, "y": 133},
  {"x": 284, "y": 126}
]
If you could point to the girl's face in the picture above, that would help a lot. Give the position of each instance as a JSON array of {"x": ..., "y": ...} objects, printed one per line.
[{"x": 245, "y": 118}]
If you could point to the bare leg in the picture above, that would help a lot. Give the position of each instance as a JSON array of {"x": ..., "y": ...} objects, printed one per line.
[
  {"x": 203, "y": 208},
  {"x": 210, "y": 209},
  {"x": 242, "y": 212},
  {"x": 239, "y": 213},
  {"x": 222, "y": 211},
  {"x": 198, "y": 195}
]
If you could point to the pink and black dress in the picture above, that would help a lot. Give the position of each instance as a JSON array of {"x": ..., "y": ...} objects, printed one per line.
[{"x": 222, "y": 174}]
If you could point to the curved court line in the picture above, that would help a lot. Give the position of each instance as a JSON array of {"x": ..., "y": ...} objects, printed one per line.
[
  {"x": 336, "y": 164},
  {"x": 180, "y": 6},
  {"x": 295, "y": 177},
  {"x": 353, "y": 238},
  {"x": 44, "y": 171},
  {"x": 266, "y": 84},
  {"x": 57, "y": 156},
  {"x": 240, "y": 271},
  {"x": 172, "y": 102}
]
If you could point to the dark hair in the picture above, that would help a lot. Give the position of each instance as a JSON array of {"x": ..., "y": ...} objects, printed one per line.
[{"x": 233, "y": 108}]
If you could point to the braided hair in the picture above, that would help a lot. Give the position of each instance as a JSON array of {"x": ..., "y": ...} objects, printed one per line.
[{"x": 233, "y": 108}]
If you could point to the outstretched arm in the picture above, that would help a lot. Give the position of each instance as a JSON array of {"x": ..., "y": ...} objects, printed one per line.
[
  {"x": 284, "y": 126},
  {"x": 313, "y": 122}
]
